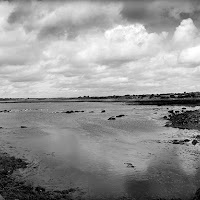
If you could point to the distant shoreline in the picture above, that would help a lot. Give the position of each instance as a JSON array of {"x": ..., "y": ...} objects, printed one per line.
[{"x": 159, "y": 102}]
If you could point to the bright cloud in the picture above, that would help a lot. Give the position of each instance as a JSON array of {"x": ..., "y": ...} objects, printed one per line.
[{"x": 84, "y": 48}]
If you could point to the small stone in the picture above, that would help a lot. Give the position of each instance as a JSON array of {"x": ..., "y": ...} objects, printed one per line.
[{"x": 194, "y": 142}]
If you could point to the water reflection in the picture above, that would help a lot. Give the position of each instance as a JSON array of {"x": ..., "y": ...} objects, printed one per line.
[{"x": 164, "y": 178}]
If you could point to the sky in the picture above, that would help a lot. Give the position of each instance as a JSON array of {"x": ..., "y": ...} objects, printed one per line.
[{"x": 98, "y": 47}]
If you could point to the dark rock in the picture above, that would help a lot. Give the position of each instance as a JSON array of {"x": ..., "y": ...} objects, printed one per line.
[
  {"x": 5, "y": 111},
  {"x": 165, "y": 117},
  {"x": 72, "y": 190},
  {"x": 40, "y": 189},
  {"x": 175, "y": 142},
  {"x": 197, "y": 195},
  {"x": 103, "y": 111},
  {"x": 194, "y": 142},
  {"x": 23, "y": 126},
  {"x": 180, "y": 141},
  {"x": 129, "y": 165},
  {"x": 167, "y": 125},
  {"x": 120, "y": 115},
  {"x": 111, "y": 118},
  {"x": 171, "y": 111},
  {"x": 198, "y": 137},
  {"x": 69, "y": 111}
]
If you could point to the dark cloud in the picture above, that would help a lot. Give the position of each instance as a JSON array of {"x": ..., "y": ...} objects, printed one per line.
[
  {"x": 19, "y": 14},
  {"x": 73, "y": 29},
  {"x": 160, "y": 14}
]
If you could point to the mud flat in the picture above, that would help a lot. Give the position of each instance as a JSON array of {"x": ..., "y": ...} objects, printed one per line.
[
  {"x": 14, "y": 189},
  {"x": 11, "y": 188}
]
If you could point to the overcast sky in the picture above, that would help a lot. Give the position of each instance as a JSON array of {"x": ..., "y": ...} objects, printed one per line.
[{"x": 76, "y": 48}]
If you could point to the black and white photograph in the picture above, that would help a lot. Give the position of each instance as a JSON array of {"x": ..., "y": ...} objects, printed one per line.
[{"x": 99, "y": 99}]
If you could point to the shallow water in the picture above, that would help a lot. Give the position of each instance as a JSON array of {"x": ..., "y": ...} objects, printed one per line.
[{"x": 87, "y": 151}]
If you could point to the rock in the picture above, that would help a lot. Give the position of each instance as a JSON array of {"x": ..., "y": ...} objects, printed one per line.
[
  {"x": 120, "y": 115},
  {"x": 72, "y": 190},
  {"x": 165, "y": 117},
  {"x": 23, "y": 126},
  {"x": 197, "y": 195},
  {"x": 69, "y": 111},
  {"x": 171, "y": 111},
  {"x": 129, "y": 165},
  {"x": 103, "y": 111},
  {"x": 175, "y": 142},
  {"x": 194, "y": 142},
  {"x": 180, "y": 141},
  {"x": 40, "y": 189},
  {"x": 111, "y": 118},
  {"x": 198, "y": 137},
  {"x": 167, "y": 125}
]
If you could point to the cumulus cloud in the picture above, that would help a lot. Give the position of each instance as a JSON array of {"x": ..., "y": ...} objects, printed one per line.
[
  {"x": 190, "y": 56},
  {"x": 186, "y": 33},
  {"x": 95, "y": 48}
]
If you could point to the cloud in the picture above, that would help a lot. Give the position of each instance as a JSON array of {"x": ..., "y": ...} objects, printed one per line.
[
  {"x": 159, "y": 14},
  {"x": 186, "y": 33},
  {"x": 190, "y": 56},
  {"x": 117, "y": 45},
  {"x": 95, "y": 48}
]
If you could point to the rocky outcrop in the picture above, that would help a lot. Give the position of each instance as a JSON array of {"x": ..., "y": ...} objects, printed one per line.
[{"x": 184, "y": 120}]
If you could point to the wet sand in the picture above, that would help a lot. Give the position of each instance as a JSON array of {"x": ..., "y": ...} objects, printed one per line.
[{"x": 70, "y": 150}]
